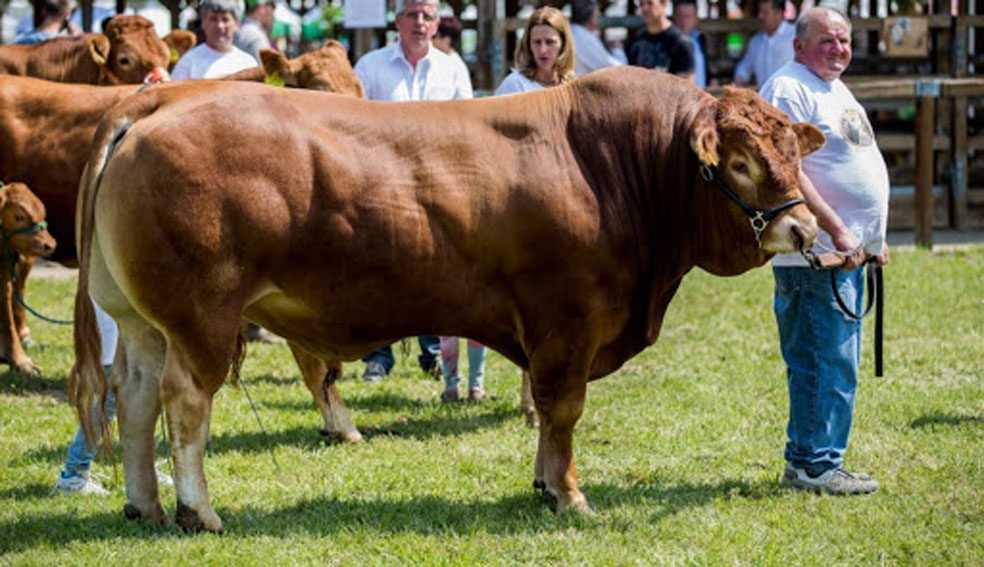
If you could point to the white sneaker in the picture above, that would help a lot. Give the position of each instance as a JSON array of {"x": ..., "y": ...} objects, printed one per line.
[
  {"x": 838, "y": 481},
  {"x": 79, "y": 484},
  {"x": 163, "y": 479}
]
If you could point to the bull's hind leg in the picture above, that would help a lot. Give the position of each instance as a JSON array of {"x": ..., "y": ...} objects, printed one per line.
[
  {"x": 559, "y": 387},
  {"x": 136, "y": 371},
  {"x": 337, "y": 421},
  {"x": 196, "y": 363}
]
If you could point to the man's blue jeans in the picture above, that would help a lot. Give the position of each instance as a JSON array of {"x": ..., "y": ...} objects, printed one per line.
[
  {"x": 79, "y": 454},
  {"x": 430, "y": 350},
  {"x": 822, "y": 349}
]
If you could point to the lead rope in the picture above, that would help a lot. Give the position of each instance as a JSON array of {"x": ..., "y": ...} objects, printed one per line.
[
  {"x": 8, "y": 250},
  {"x": 273, "y": 456}
]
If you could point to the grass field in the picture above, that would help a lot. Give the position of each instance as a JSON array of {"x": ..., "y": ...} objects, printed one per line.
[{"x": 679, "y": 452}]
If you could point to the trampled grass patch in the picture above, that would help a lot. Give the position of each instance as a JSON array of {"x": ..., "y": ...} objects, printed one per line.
[{"x": 680, "y": 453}]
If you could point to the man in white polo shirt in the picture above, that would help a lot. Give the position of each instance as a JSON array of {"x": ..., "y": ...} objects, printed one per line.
[{"x": 411, "y": 69}]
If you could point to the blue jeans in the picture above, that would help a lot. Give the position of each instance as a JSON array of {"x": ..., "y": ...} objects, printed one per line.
[
  {"x": 430, "y": 349},
  {"x": 79, "y": 454},
  {"x": 822, "y": 349}
]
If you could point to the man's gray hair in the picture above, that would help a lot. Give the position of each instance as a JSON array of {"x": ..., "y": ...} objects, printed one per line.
[
  {"x": 234, "y": 7},
  {"x": 400, "y": 4},
  {"x": 803, "y": 21}
]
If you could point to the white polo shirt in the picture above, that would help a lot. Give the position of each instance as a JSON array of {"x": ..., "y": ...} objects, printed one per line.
[
  {"x": 766, "y": 53},
  {"x": 387, "y": 75}
]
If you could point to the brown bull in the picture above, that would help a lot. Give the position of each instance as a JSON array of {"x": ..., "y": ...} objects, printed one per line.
[
  {"x": 24, "y": 234},
  {"x": 553, "y": 226},
  {"x": 128, "y": 52},
  {"x": 47, "y": 130}
]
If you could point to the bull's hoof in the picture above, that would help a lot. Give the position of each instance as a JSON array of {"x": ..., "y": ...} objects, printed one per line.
[
  {"x": 538, "y": 484},
  {"x": 25, "y": 366},
  {"x": 159, "y": 516},
  {"x": 342, "y": 437},
  {"x": 191, "y": 521},
  {"x": 578, "y": 506}
]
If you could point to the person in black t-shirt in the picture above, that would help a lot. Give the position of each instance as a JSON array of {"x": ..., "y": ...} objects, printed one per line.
[{"x": 659, "y": 45}]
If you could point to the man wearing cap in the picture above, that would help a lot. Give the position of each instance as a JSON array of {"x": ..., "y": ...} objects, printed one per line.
[
  {"x": 411, "y": 69},
  {"x": 254, "y": 33},
  {"x": 218, "y": 56},
  {"x": 589, "y": 51}
]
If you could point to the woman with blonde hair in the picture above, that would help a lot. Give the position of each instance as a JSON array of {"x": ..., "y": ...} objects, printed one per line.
[{"x": 544, "y": 56}]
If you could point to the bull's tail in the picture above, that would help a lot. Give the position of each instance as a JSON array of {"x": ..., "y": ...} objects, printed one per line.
[{"x": 86, "y": 382}]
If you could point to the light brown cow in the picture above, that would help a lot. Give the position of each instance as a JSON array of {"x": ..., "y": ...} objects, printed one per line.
[
  {"x": 24, "y": 233},
  {"x": 552, "y": 226},
  {"x": 129, "y": 52},
  {"x": 47, "y": 130},
  {"x": 178, "y": 43}
]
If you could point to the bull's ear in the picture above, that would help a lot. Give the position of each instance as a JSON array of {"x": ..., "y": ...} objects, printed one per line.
[
  {"x": 810, "y": 137},
  {"x": 704, "y": 137},
  {"x": 98, "y": 45},
  {"x": 178, "y": 43},
  {"x": 277, "y": 68}
]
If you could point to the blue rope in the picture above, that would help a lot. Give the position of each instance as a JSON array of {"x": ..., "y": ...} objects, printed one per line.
[{"x": 9, "y": 251}]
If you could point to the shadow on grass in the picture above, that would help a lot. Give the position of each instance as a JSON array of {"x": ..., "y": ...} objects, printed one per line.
[
  {"x": 439, "y": 424},
  {"x": 524, "y": 512},
  {"x": 17, "y": 383},
  {"x": 939, "y": 418},
  {"x": 378, "y": 402}
]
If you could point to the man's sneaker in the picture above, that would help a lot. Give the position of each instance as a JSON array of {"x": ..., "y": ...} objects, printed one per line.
[
  {"x": 838, "y": 481},
  {"x": 450, "y": 395},
  {"x": 163, "y": 479},
  {"x": 476, "y": 394},
  {"x": 375, "y": 372},
  {"x": 257, "y": 334},
  {"x": 79, "y": 484}
]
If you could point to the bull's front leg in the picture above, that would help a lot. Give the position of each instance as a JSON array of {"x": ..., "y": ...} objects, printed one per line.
[
  {"x": 319, "y": 378},
  {"x": 558, "y": 393}
]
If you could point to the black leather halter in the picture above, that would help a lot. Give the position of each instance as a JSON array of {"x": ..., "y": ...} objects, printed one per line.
[{"x": 759, "y": 220}]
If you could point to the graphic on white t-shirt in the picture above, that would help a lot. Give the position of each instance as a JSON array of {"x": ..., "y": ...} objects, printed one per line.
[{"x": 855, "y": 128}]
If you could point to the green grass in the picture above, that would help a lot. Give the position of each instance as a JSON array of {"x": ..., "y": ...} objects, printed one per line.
[{"x": 679, "y": 452}]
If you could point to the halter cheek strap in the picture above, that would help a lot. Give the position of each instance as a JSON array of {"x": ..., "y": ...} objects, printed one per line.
[{"x": 758, "y": 219}]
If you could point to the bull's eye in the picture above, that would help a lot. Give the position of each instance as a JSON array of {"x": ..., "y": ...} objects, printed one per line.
[
  {"x": 124, "y": 61},
  {"x": 739, "y": 166}
]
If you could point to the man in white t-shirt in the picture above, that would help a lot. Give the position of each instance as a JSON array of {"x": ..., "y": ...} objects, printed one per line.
[
  {"x": 217, "y": 57},
  {"x": 770, "y": 48},
  {"x": 411, "y": 69},
  {"x": 846, "y": 185}
]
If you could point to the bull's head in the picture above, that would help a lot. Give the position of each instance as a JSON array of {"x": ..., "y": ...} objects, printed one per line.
[
  {"x": 749, "y": 149},
  {"x": 22, "y": 221},
  {"x": 134, "y": 52},
  {"x": 327, "y": 69}
]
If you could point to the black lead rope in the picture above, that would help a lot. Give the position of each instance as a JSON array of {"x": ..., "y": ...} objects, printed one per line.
[
  {"x": 12, "y": 266},
  {"x": 874, "y": 281}
]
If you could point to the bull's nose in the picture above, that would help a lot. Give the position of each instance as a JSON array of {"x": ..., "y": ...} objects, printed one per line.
[{"x": 805, "y": 233}]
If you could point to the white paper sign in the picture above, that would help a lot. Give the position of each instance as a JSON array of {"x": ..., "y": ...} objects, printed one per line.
[{"x": 365, "y": 13}]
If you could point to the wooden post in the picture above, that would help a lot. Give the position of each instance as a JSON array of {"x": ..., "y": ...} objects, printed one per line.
[
  {"x": 485, "y": 50},
  {"x": 925, "y": 109}
]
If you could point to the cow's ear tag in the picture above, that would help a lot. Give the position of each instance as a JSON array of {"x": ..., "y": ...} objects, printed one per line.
[
  {"x": 274, "y": 79},
  {"x": 174, "y": 56}
]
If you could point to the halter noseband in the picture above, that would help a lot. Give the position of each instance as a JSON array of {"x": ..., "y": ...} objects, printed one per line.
[{"x": 759, "y": 220}]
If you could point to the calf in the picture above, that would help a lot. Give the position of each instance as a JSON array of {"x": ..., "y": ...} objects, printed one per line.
[{"x": 25, "y": 234}]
